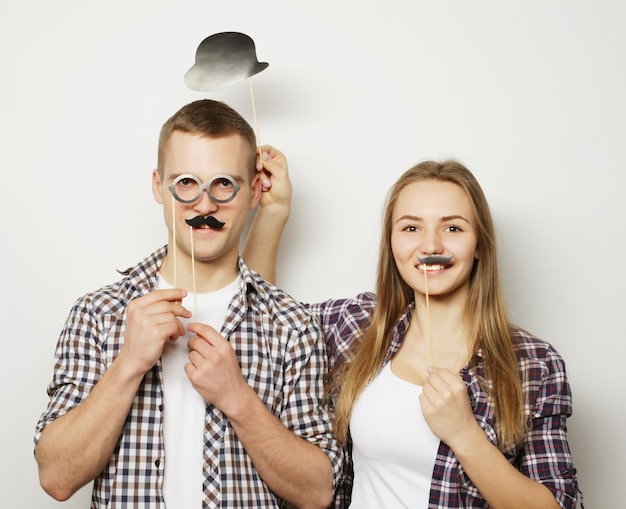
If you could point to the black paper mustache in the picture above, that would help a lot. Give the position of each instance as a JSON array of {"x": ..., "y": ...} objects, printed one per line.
[
  {"x": 210, "y": 221},
  {"x": 435, "y": 259}
]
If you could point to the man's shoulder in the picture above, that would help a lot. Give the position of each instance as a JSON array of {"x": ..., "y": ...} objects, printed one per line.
[
  {"x": 275, "y": 296},
  {"x": 134, "y": 281},
  {"x": 274, "y": 300}
]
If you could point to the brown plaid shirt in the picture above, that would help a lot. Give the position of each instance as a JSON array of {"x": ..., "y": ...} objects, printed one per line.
[{"x": 281, "y": 354}]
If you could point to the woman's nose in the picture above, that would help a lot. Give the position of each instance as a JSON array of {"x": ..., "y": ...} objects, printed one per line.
[{"x": 431, "y": 243}]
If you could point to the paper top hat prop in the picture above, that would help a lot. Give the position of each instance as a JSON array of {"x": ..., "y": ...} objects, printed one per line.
[{"x": 223, "y": 59}]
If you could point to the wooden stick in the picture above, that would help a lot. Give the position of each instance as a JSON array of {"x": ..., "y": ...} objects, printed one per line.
[
  {"x": 256, "y": 124},
  {"x": 430, "y": 335},
  {"x": 193, "y": 275},
  {"x": 173, "y": 248}
]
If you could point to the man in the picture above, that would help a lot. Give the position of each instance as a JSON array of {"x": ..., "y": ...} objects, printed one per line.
[{"x": 219, "y": 407}]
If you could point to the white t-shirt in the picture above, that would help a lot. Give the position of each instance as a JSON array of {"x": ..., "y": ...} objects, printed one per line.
[
  {"x": 184, "y": 409},
  {"x": 394, "y": 450}
]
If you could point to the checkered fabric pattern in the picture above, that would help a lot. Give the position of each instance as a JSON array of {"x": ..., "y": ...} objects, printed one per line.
[
  {"x": 543, "y": 456},
  {"x": 281, "y": 354}
]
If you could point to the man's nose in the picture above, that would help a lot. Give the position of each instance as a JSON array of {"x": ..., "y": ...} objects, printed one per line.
[{"x": 204, "y": 204}]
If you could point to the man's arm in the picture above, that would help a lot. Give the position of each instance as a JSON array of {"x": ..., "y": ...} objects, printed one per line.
[
  {"x": 76, "y": 447},
  {"x": 261, "y": 246},
  {"x": 296, "y": 470}
]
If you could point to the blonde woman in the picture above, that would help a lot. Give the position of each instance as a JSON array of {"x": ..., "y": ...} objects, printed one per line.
[{"x": 441, "y": 401}]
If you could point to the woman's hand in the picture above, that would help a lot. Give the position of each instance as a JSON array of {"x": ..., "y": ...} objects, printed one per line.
[
  {"x": 447, "y": 409},
  {"x": 273, "y": 169}
]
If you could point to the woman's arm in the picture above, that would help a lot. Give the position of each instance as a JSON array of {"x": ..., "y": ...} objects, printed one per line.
[
  {"x": 261, "y": 246},
  {"x": 446, "y": 408}
]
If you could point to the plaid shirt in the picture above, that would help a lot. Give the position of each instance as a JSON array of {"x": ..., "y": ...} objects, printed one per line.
[
  {"x": 543, "y": 456},
  {"x": 280, "y": 353}
]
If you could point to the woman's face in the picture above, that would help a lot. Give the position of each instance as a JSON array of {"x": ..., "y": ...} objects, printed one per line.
[{"x": 434, "y": 218}]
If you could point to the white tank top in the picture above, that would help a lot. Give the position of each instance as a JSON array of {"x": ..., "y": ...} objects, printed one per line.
[
  {"x": 184, "y": 409},
  {"x": 394, "y": 450}
]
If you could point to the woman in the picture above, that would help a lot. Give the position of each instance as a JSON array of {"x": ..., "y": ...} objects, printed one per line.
[{"x": 441, "y": 400}]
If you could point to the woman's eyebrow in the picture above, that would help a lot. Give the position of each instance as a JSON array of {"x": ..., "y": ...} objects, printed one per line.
[
  {"x": 453, "y": 217},
  {"x": 409, "y": 217}
]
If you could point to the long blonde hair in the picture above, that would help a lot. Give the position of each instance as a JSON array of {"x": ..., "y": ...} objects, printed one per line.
[{"x": 488, "y": 324}]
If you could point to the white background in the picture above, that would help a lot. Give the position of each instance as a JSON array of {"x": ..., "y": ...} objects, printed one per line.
[{"x": 529, "y": 95}]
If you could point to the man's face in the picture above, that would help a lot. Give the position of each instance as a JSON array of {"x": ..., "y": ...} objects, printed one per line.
[{"x": 205, "y": 158}]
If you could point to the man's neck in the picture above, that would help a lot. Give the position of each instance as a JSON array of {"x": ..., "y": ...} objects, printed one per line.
[{"x": 205, "y": 277}]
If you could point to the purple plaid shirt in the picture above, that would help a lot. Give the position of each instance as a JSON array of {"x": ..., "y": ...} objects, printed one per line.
[
  {"x": 281, "y": 355},
  {"x": 543, "y": 456}
]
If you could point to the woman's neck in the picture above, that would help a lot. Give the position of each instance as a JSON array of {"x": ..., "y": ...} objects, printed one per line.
[
  {"x": 437, "y": 336},
  {"x": 445, "y": 316}
]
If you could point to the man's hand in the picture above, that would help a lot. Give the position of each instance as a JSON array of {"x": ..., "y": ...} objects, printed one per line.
[
  {"x": 152, "y": 320},
  {"x": 213, "y": 369}
]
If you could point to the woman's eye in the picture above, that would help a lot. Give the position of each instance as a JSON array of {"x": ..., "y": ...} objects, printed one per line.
[
  {"x": 410, "y": 228},
  {"x": 454, "y": 229}
]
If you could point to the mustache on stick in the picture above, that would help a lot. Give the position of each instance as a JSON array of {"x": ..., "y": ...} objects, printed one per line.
[
  {"x": 210, "y": 221},
  {"x": 435, "y": 259}
]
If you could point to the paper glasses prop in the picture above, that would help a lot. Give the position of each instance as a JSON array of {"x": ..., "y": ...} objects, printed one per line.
[
  {"x": 426, "y": 261},
  {"x": 188, "y": 188}
]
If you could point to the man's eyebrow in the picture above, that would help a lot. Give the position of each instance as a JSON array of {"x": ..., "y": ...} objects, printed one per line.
[{"x": 236, "y": 177}]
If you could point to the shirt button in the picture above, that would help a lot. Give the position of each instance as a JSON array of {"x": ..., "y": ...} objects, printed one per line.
[
  {"x": 161, "y": 407},
  {"x": 157, "y": 463}
]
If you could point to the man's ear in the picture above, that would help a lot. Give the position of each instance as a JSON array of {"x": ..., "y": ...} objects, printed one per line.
[
  {"x": 156, "y": 187},
  {"x": 255, "y": 194}
]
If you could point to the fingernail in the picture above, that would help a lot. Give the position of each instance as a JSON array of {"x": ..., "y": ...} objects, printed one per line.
[{"x": 266, "y": 156}]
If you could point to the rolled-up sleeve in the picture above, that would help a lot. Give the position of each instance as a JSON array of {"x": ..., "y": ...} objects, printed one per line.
[{"x": 545, "y": 456}]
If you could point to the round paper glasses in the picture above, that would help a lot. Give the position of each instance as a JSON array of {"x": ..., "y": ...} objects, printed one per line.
[{"x": 188, "y": 188}]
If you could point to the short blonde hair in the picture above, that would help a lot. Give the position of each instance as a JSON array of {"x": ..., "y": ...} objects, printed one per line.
[{"x": 211, "y": 119}]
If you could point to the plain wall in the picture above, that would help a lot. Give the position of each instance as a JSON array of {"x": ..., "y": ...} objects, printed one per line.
[{"x": 529, "y": 95}]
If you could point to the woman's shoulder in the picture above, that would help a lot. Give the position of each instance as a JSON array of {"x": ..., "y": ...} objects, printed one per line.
[{"x": 532, "y": 348}]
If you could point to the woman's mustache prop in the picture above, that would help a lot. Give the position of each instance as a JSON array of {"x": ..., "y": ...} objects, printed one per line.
[{"x": 435, "y": 259}]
